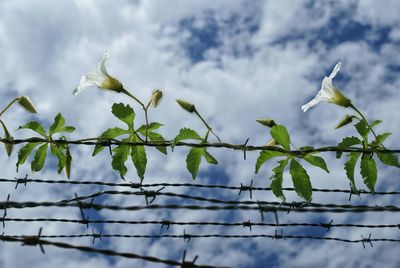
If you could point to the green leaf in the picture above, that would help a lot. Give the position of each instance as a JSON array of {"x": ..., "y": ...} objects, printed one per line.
[
  {"x": 157, "y": 137},
  {"x": 40, "y": 158},
  {"x": 186, "y": 134},
  {"x": 280, "y": 134},
  {"x": 110, "y": 133},
  {"x": 68, "y": 163},
  {"x": 389, "y": 159},
  {"x": 24, "y": 152},
  {"x": 62, "y": 159},
  {"x": 362, "y": 129},
  {"x": 301, "y": 180},
  {"x": 375, "y": 123},
  {"x": 124, "y": 113},
  {"x": 68, "y": 129},
  {"x": 381, "y": 138},
  {"x": 346, "y": 143},
  {"x": 119, "y": 158},
  {"x": 265, "y": 156},
  {"x": 316, "y": 161},
  {"x": 35, "y": 126},
  {"x": 58, "y": 123},
  {"x": 369, "y": 172},
  {"x": 193, "y": 161},
  {"x": 349, "y": 167},
  {"x": 139, "y": 159},
  {"x": 9, "y": 147},
  {"x": 277, "y": 179},
  {"x": 209, "y": 158},
  {"x": 152, "y": 126}
]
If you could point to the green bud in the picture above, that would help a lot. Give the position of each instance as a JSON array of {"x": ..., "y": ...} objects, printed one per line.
[
  {"x": 266, "y": 122},
  {"x": 27, "y": 104},
  {"x": 156, "y": 98},
  {"x": 68, "y": 164},
  {"x": 9, "y": 147},
  {"x": 347, "y": 119},
  {"x": 186, "y": 105},
  {"x": 272, "y": 142}
]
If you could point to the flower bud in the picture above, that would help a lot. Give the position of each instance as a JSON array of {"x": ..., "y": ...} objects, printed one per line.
[
  {"x": 266, "y": 122},
  {"x": 156, "y": 98},
  {"x": 27, "y": 104},
  {"x": 344, "y": 121},
  {"x": 186, "y": 105},
  {"x": 272, "y": 142}
]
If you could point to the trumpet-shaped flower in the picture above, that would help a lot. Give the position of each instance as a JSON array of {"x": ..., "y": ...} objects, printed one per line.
[
  {"x": 328, "y": 92},
  {"x": 99, "y": 78}
]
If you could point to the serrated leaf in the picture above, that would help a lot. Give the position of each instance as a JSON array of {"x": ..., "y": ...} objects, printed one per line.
[
  {"x": 316, "y": 161},
  {"x": 349, "y": 167},
  {"x": 110, "y": 133},
  {"x": 193, "y": 161},
  {"x": 346, "y": 143},
  {"x": 157, "y": 137},
  {"x": 209, "y": 158},
  {"x": 39, "y": 158},
  {"x": 58, "y": 123},
  {"x": 389, "y": 159},
  {"x": 265, "y": 156},
  {"x": 369, "y": 172},
  {"x": 124, "y": 113},
  {"x": 62, "y": 159},
  {"x": 24, "y": 152},
  {"x": 9, "y": 147},
  {"x": 35, "y": 126},
  {"x": 119, "y": 158},
  {"x": 152, "y": 126},
  {"x": 139, "y": 159},
  {"x": 186, "y": 134},
  {"x": 381, "y": 138},
  {"x": 301, "y": 180},
  {"x": 277, "y": 179},
  {"x": 280, "y": 134}
]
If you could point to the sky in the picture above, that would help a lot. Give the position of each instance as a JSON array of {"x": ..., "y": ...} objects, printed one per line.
[{"x": 237, "y": 61}]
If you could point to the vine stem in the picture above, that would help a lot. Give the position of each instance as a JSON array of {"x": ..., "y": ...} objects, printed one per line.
[
  {"x": 145, "y": 108},
  {"x": 207, "y": 126},
  {"x": 8, "y": 106},
  {"x": 365, "y": 119}
]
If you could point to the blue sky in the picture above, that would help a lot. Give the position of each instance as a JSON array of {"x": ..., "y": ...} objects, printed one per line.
[{"x": 237, "y": 61}]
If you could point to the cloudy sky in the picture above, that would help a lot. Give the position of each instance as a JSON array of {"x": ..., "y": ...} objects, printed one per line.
[{"x": 237, "y": 61}]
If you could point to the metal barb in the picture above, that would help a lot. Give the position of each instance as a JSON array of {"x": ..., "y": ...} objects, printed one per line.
[
  {"x": 21, "y": 181},
  {"x": 186, "y": 237},
  {"x": 84, "y": 220},
  {"x": 278, "y": 236},
  {"x": 95, "y": 235},
  {"x": 327, "y": 225},
  {"x": 150, "y": 194},
  {"x": 261, "y": 210},
  {"x": 186, "y": 264},
  {"x": 33, "y": 241},
  {"x": 165, "y": 223},
  {"x": 247, "y": 188},
  {"x": 244, "y": 150},
  {"x": 5, "y": 211},
  {"x": 366, "y": 240},
  {"x": 247, "y": 224}
]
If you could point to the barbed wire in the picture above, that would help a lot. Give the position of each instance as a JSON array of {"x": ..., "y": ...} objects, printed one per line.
[
  {"x": 333, "y": 208},
  {"x": 240, "y": 147},
  {"x": 167, "y": 223},
  {"x": 25, "y": 181},
  {"x": 187, "y": 237},
  {"x": 38, "y": 241}
]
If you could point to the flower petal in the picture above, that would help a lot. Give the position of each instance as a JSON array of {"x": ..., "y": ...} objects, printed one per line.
[
  {"x": 335, "y": 70},
  {"x": 101, "y": 67},
  {"x": 310, "y": 104},
  {"x": 84, "y": 83}
]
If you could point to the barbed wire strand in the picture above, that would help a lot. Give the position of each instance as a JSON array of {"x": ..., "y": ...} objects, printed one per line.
[
  {"x": 265, "y": 208},
  {"x": 37, "y": 241},
  {"x": 167, "y": 223},
  {"x": 187, "y": 236},
  {"x": 24, "y": 181},
  {"x": 240, "y": 147}
]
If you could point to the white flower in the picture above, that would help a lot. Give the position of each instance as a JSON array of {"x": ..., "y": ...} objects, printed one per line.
[
  {"x": 99, "y": 78},
  {"x": 328, "y": 92}
]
